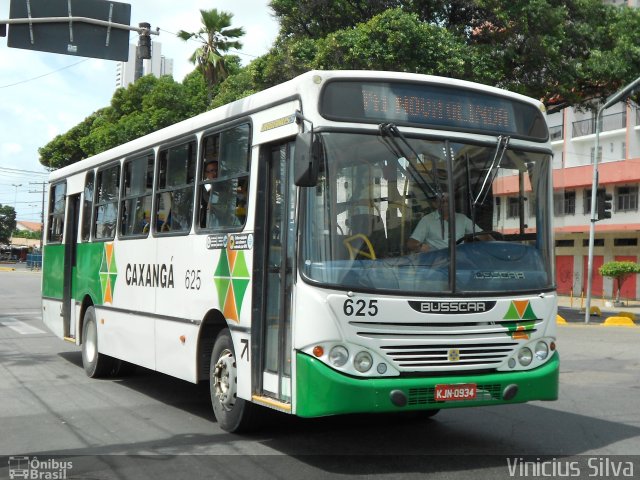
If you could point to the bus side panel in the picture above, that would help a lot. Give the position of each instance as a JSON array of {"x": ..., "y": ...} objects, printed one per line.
[
  {"x": 176, "y": 349},
  {"x": 87, "y": 272},
  {"x": 53, "y": 271},
  {"x": 52, "y": 287},
  {"x": 126, "y": 336}
]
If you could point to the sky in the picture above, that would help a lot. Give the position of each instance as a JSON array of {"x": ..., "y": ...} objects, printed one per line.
[{"x": 45, "y": 94}]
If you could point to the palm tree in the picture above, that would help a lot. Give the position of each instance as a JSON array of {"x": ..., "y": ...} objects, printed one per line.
[{"x": 215, "y": 37}]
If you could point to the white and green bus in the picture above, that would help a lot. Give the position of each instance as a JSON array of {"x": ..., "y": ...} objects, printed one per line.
[{"x": 289, "y": 280}]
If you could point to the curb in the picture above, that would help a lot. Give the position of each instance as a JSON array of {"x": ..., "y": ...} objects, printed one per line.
[
  {"x": 618, "y": 321},
  {"x": 7, "y": 269}
]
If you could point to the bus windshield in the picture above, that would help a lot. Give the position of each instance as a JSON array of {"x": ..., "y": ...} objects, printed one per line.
[{"x": 378, "y": 218}]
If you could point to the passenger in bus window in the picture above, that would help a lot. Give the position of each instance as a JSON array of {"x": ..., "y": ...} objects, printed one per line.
[
  {"x": 432, "y": 231},
  {"x": 219, "y": 199}
]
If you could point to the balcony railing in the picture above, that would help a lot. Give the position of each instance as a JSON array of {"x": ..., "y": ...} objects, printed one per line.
[
  {"x": 556, "y": 133},
  {"x": 614, "y": 121}
]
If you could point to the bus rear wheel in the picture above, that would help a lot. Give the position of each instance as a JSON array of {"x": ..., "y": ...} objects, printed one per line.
[
  {"x": 232, "y": 413},
  {"x": 95, "y": 364}
]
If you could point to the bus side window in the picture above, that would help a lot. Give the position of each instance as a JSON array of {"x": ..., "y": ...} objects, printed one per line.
[
  {"x": 106, "y": 205},
  {"x": 87, "y": 206},
  {"x": 223, "y": 197},
  {"x": 57, "y": 200},
  {"x": 135, "y": 204},
  {"x": 174, "y": 193}
]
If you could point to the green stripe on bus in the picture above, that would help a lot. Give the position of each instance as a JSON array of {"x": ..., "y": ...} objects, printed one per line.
[{"x": 323, "y": 391}]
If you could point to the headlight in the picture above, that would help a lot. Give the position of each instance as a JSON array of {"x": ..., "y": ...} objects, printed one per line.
[
  {"x": 525, "y": 356},
  {"x": 363, "y": 361},
  {"x": 542, "y": 350},
  {"x": 338, "y": 356}
]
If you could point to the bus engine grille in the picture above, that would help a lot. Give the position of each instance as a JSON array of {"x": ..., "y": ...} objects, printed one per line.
[{"x": 443, "y": 347}]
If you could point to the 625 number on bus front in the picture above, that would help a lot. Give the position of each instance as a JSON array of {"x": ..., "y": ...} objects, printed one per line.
[{"x": 360, "y": 308}]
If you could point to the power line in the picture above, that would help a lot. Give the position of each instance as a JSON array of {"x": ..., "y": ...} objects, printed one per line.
[
  {"x": 18, "y": 170},
  {"x": 43, "y": 75}
]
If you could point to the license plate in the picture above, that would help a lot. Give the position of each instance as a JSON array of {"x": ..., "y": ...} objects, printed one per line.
[{"x": 462, "y": 391}]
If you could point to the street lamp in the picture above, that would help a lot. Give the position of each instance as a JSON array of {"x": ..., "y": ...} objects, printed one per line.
[
  {"x": 15, "y": 198},
  {"x": 617, "y": 97}
]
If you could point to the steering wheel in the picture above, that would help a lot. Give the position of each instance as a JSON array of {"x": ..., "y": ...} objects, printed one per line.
[
  {"x": 355, "y": 251},
  {"x": 473, "y": 237}
]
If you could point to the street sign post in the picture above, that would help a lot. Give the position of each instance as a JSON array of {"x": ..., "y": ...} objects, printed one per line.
[{"x": 84, "y": 28}]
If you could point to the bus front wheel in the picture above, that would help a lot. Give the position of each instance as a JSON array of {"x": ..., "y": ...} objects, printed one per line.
[
  {"x": 232, "y": 413},
  {"x": 95, "y": 364}
]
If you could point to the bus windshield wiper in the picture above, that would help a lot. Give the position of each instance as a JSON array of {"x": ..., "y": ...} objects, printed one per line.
[
  {"x": 501, "y": 148},
  {"x": 390, "y": 134}
]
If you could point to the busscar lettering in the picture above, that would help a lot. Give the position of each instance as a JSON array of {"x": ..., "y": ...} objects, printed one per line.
[
  {"x": 435, "y": 307},
  {"x": 149, "y": 275}
]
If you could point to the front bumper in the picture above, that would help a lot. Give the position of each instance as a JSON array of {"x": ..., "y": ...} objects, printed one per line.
[{"x": 323, "y": 391}]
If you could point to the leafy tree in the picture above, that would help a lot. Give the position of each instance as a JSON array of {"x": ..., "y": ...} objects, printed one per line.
[
  {"x": 143, "y": 107},
  {"x": 215, "y": 37},
  {"x": 7, "y": 222},
  {"x": 619, "y": 271}
]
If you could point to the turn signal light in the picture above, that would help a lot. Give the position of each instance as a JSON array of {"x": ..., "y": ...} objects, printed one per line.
[{"x": 318, "y": 351}]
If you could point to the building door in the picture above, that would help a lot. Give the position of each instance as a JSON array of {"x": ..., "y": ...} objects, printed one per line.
[
  {"x": 564, "y": 274},
  {"x": 596, "y": 285},
  {"x": 629, "y": 285},
  {"x": 275, "y": 239}
]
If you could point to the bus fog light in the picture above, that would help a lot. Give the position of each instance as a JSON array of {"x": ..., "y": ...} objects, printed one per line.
[
  {"x": 338, "y": 356},
  {"x": 363, "y": 362},
  {"x": 541, "y": 350},
  {"x": 512, "y": 362},
  {"x": 382, "y": 368},
  {"x": 525, "y": 356}
]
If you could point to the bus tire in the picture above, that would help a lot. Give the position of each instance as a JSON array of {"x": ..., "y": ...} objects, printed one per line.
[
  {"x": 232, "y": 413},
  {"x": 95, "y": 364}
]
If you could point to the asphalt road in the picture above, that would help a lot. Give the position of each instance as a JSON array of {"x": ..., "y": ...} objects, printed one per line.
[{"x": 152, "y": 426}]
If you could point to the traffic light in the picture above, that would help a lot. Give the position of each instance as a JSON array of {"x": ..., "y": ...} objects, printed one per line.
[
  {"x": 3, "y": 29},
  {"x": 604, "y": 205},
  {"x": 144, "y": 42}
]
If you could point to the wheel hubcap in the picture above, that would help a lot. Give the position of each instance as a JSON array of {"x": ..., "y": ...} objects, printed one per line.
[{"x": 224, "y": 380}]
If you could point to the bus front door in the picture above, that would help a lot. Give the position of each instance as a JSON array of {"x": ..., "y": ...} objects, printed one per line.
[{"x": 275, "y": 268}]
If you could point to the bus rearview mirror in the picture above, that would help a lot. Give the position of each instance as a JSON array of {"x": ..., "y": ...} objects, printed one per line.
[{"x": 305, "y": 161}]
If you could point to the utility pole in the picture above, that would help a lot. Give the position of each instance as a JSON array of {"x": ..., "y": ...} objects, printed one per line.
[{"x": 617, "y": 97}]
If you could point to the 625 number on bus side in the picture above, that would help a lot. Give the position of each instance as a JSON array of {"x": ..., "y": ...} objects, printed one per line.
[{"x": 360, "y": 308}]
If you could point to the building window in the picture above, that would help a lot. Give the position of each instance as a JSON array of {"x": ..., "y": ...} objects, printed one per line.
[
  {"x": 564, "y": 203},
  {"x": 564, "y": 243},
  {"x": 498, "y": 213},
  {"x": 626, "y": 199},
  {"x": 625, "y": 242},
  {"x": 513, "y": 207},
  {"x": 597, "y": 242}
]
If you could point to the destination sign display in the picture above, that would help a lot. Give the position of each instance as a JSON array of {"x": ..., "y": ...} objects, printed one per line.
[{"x": 432, "y": 106}]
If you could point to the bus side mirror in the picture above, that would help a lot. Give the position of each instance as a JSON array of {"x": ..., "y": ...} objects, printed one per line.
[{"x": 305, "y": 161}]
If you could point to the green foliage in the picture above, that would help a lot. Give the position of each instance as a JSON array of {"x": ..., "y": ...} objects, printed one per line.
[
  {"x": 7, "y": 222},
  {"x": 620, "y": 271},
  {"x": 143, "y": 107},
  {"x": 216, "y": 37},
  {"x": 26, "y": 234},
  {"x": 564, "y": 52}
]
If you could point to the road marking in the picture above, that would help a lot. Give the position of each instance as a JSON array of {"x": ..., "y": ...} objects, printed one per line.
[{"x": 20, "y": 327}]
